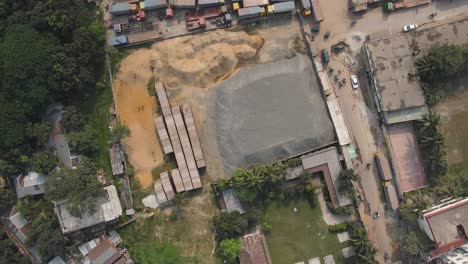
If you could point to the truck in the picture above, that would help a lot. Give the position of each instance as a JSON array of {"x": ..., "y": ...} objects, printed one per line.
[
  {"x": 306, "y": 7},
  {"x": 120, "y": 9},
  {"x": 383, "y": 167},
  {"x": 281, "y": 7},
  {"x": 317, "y": 11},
  {"x": 391, "y": 196},
  {"x": 197, "y": 24},
  {"x": 210, "y": 3},
  {"x": 253, "y": 11},
  {"x": 249, "y": 3}
]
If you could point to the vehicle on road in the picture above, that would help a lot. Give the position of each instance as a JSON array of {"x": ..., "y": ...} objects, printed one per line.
[
  {"x": 354, "y": 82},
  {"x": 325, "y": 56},
  {"x": 408, "y": 28}
]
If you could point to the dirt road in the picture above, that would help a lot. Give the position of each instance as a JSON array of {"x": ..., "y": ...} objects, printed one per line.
[
  {"x": 357, "y": 106},
  {"x": 136, "y": 107}
]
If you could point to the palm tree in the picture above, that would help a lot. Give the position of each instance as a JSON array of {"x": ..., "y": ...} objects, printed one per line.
[
  {"x": 429, "y": 121},
  {"x": 419, "y": 201},
  {"x": 433, "y": 139}
]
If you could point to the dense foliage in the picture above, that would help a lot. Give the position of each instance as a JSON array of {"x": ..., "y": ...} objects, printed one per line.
[
  {"x": 49, "y": 50},
  {"x": 414, "y": 245},
  {"x": 441, "y": 64},
  {"x": 9, "y": 252},
  {"x": 79, "y": 187},
  {"x": 229, "y": 250},
  {"x": 346, "y": 179},
  {"x": 230, "y": 225},
  {"x": 365, "y": 250}
]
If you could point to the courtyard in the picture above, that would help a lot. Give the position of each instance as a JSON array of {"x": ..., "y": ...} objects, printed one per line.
[{"x": 301, "y": 234}]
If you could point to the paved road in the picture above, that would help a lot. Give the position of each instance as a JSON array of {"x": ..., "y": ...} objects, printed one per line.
[{"x": 358, "y": 106}]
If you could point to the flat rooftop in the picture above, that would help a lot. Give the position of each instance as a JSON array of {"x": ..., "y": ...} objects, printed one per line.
[
  {"x": 393, "y": 61},
  {"x": 270, "y": 112},
  {"x": 328, "y": 163},
  {"x": 407, "y": 157},
  {"x": 444, "y": 221},
  {"x": 393, "y": 69}
]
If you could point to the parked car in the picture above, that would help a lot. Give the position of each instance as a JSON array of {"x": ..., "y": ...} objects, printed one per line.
[
  {"x": 408, "y": 28},
  {"x": 325, "y": 56},
  {"x": 354, "y": 82}
]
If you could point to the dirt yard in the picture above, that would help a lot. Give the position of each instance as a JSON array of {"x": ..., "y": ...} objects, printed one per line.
[
  {"x": 136, "y": 107},
  {"x": 454, "y": 112},
  {"x": 191, "y": 229},
  {"x": 184, "y": 65}
]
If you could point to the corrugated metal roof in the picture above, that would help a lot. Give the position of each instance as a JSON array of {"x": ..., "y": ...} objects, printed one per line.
[
  {"x": 155, "y": 4},
  {"x": 232, "y": 202},
  {"x": 31, "y": 184},
  {"x": 120, "y": 8}
]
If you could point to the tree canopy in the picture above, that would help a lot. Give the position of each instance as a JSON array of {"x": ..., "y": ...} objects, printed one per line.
[
  {"x": 230, "y": 225},
  {"x": 26, "y": 83},
  {"x": 79, "y": 187},
  {"x": 229, "y": 250}
]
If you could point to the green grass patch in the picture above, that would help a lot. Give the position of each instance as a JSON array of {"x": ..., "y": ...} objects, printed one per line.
[
  {"x": 140, "y": 238},
  {"x": 96, "y": 107},
  {"x": 299, "y": 236}
]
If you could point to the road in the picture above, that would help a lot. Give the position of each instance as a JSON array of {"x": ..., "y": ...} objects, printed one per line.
[{"x": 358, "y": 106}]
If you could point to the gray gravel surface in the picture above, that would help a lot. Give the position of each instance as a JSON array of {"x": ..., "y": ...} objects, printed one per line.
[{"x": 269, "y": 112}]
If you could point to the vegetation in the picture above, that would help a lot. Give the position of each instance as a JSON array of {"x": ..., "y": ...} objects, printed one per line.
[
  {"x": 79, "y": 187},
  {"x": 9, "y": 252},
  {"x": 346, "y": 179},
  {"x": 432, "y": 143},
  {"x": 51, "y": 51},
  {"x": 338, "y": 228},
  {"x": 414, "y": 245},
  {"x": 365, "y": 250},
  {"x": 441, "y": 64},
  {"x": 120, "y": 132},
  {"x": 7, "y": 198},
  {"x": 299, "y": 234},
  {"x": 229, "y": 250},
  {"x": 145, "y": 247},
  {"x": 230, "y": 225},
  {"x": 45, "y": 231}
]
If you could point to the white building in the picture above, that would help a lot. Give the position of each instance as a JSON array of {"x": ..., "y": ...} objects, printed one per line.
[{"x": 446, "y": 224}]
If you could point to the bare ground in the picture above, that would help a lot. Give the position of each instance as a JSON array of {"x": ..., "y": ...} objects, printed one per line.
[
  {"x": 454, "y": 112},
  {"x": 191, "y": 230},
  {"x": 136, "y": 107}
]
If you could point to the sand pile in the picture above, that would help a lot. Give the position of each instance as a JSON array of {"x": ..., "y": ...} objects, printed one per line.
[{"x": 203, "y": 60}]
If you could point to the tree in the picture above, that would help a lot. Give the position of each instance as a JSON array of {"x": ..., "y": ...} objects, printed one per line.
[
  {"x": 365, "y": 251},
  {"x": 442, "y": 62},
  {"x": 39, "y": 134},
  {"x": 85, "y": 141},
  {"x": 120, "y": 132},
  {"x": 419, "y": 200},
  {"x": 346, "y": 178},
  {"x": 230, "y": 225},
  {"x": 9, "y": 252},
  {"x": 43, "y": 162},
  {"x": 73, "y": 119},
  {"x": 7, "y": 198},
  {"x": 415, "y": 244},
  {"x": 229, "y": 249},
  {"x": 26, "y": 83},
  {"x": 79, "y": 187},
  {"x": 46, "y": 236}
]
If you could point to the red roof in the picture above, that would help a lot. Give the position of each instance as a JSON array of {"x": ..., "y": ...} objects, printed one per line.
[{"x": 252, "y": 251}]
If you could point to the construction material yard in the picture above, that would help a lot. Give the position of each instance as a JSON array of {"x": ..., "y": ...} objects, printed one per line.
[{"x": 270, "y": 112}]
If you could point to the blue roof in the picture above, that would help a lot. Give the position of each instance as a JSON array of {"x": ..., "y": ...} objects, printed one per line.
[{"x": 117, "y": 41}]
